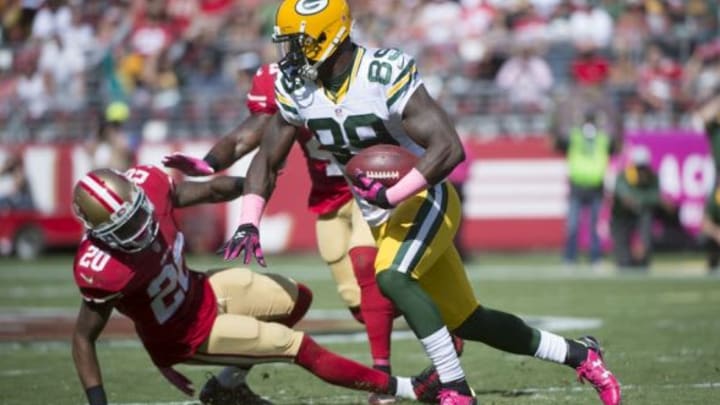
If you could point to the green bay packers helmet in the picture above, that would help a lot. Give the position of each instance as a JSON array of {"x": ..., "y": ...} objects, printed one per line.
[
  {"x": 115, "y": 210},
  {"x": 309, "y": 32}
]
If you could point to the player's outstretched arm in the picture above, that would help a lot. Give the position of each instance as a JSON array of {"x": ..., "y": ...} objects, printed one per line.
[
  {"x": 218, "y": 189},
  {"x": 429, "y": 125},
  {"x": 228, "y": 150},
  {"x": 91, "y": 320},
  {"x": 259, "y": 184},
  {"x": 277, "y": 139}
]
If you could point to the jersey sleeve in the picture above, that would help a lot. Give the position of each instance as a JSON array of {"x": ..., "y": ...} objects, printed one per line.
[
  {"x": 98, "y": 276},
  {"x": 404, "y": 78},
  {"x": 285, "y": 102},
  {"x": 261, "y": 97},
  {"x": 98, "y": 295}
]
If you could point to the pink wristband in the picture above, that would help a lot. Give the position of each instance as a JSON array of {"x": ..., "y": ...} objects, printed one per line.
[
  {"x": 252, "y": 209},
  {"x": 410, "y": 184}
]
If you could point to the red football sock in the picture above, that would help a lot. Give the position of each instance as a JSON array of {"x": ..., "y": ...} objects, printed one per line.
[
  {"x": 302, "y": 304},
  {"x": 338, "y": 370},
  {"x": 378, "y": 312}
]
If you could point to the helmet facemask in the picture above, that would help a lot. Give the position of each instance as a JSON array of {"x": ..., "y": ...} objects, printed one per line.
[
  {"x": 300, "y": 53},
  {"x": 131, "y": 228}
]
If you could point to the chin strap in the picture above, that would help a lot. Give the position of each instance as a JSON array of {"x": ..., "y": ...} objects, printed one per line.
[{"x": 310, "y": 72}]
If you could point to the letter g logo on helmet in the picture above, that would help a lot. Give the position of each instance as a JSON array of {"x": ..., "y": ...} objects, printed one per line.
[{"x": 308, "y": 7}]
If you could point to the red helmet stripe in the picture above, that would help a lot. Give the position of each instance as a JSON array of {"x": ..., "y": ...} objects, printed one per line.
[{"x": 101, "y": 193}]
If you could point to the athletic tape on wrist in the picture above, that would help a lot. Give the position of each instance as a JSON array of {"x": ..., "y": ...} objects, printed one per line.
[
  {"x": 252, "y": 209},
  {"x": 406, "y": 187}
]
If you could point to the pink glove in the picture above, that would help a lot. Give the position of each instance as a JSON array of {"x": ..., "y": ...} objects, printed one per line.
[
  {"x": 189, "y": 165},
  {"x": 371, "y": 190},
  {"x": 246, "y": 238},
  {"x": 178, "y": 380}
]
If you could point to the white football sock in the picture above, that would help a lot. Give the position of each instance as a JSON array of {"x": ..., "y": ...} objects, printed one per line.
[
  {"x": 439, "y": 347},
  {"x": 231, "y": 377},
  {"x": 552, "y": 347},
  {"x": 404, "y": 388}
]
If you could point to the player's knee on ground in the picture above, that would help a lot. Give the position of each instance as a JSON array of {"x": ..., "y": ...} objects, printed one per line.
[{"x": 243, "y": 340}]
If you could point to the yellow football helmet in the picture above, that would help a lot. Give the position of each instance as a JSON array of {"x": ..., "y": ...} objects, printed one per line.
[
  {"x": 115, "y": 210},
  {"x": 309, "y": 32}
]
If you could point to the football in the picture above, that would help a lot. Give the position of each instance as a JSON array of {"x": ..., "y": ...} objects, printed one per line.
[{"x": 384, "y": 163}]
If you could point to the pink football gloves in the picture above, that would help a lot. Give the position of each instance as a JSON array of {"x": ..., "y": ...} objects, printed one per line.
[
  {"x": 371, "y": 190},
  {"x": 189, "y": 165}
]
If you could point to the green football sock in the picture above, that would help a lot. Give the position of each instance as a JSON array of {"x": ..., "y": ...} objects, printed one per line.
[
  {"x": 500, "y": 330},
  {"x": 421, "y": 313}
]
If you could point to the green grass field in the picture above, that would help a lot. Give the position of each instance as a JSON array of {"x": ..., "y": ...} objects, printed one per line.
[{"x": 660, "y": 331}]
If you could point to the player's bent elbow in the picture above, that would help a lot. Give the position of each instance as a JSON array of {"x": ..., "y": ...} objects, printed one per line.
[{"x": 454, "y": 156}]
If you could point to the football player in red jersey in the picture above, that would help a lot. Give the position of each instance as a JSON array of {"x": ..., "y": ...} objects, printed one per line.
[
  {"x": 344, "y": 239},
  {"x": 132, "y": 260}
]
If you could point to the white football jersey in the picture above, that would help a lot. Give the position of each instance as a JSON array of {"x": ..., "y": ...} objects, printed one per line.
[{"x": 367, "y": 110}]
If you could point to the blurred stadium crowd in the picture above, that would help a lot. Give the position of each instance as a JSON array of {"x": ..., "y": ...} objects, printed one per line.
[{"x": 179, "y": 69}]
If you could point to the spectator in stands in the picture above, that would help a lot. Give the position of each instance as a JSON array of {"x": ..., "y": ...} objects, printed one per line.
[
  {"x": 32, "y": 90},
  {"x": 631, "y": 30},
  {"x": 470, "y": 40},
  {"x": 711, "y": 227},
  {"x": 63, "y": 66},
  {"x": 437, "y": 21},
  {"x": 589, "y": 68},
  {"x": 153, "y": 30},
  {"x": 636, "y": 198},
  {"x": 588, "y": 148},
  {"x": 525, "y": 78},
  {"x": 111, "y": 148},
  {"x": 659, "y": 80},
  {"x": 245, "y": 67},
  {"x": 31, "y": 105},
  {"x": 14, "y": 187},
  {"x": 242, "y": 28},
  {"x": 707, "y": 119},
  {"x": 589, "y": 73},
  {"x": 205, "y": 81},
  {"x": 52, "y": 18},
  {"x": 78, "y": 34},
  {"x": 14, "y": 21},
  {"x": 590, "y": 22},
  {"x": 162, "y": 82},
  {"x": 702, "y": 72}
]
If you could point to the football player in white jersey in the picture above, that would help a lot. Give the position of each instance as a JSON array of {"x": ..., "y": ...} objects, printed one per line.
[{"x": 353, "y": 97}]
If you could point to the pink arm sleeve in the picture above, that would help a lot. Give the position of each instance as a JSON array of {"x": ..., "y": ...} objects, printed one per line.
[
  {"x": 252, "y": 209},
  {"x": 410, "y": 184}
]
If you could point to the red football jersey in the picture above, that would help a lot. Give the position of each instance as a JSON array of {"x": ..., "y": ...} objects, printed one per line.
[
  {"x": 330, "y": 190},
  {"x": 172, "y": 307}
]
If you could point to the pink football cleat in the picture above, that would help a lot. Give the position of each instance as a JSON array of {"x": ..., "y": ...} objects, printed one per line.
[
  {"x": 594, "y": 370},
  {"x": 452, "y": 397}
]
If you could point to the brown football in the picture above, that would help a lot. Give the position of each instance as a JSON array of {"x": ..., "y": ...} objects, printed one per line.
[{"x": 385, "y": 163}]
